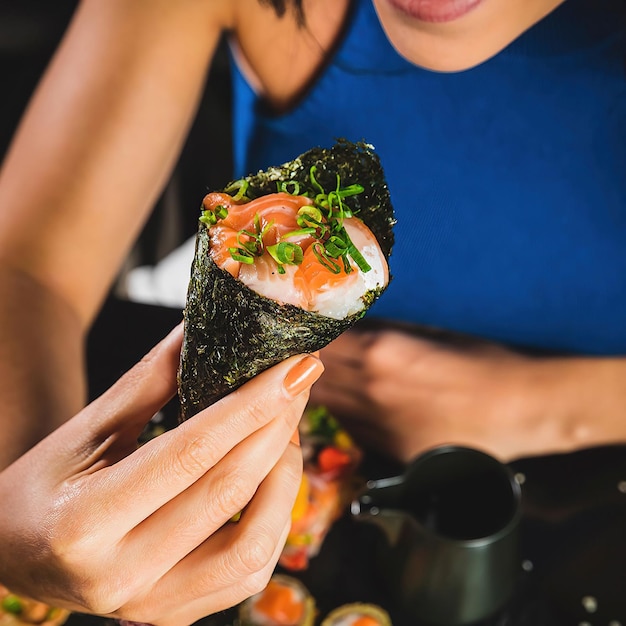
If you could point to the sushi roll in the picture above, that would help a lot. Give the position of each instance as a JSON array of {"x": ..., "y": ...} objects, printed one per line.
[
  {"x": 17, "y": 610},
  {"x": 284, "y": 602},
  {"x": 328, "y": 484},
  {"x": 357, "y": 614},
  {"x": 285, "y": 261}
]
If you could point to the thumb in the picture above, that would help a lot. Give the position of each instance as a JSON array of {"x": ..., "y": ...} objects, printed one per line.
[{"x": 108, "y": 428}]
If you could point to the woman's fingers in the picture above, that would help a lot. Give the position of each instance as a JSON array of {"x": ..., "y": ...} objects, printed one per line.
[
  {"x": 138, "y": 485},
  {"x": 228, "y": 596},
  {"x": 234, "y": 562},
  {"x": 108, "y": 427},
  {"x": 187, "y": 520}
]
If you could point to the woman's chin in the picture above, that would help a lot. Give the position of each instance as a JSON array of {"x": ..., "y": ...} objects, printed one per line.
[{"x": 457, "y": 35}]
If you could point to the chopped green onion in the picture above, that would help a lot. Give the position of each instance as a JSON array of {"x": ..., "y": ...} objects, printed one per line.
[
  {"x": 252, "y": 245},
  {"x": 53, "y": 613},
  {"x": 285, "y": 253},
  {"x": 323, "y": 220},
  {"x": 241, "y": 255},
  {"x": 329, "y": 264},
  {"x": 12, "y": 604},
  {"x": 311, "y": 217},
  {"x": 309, "y": 214},
  {"x": 321, "y": 199},
  {"x": 240, "y": 186},
  {"x": 351, "y": 190},
  {"x": 289, "y": 186},
  {"x": 313, "y": 180},
  {"x": 358, "y": 258},
  {"x": 300, "y": 233},
  {"x": 210, "y": 216},
  {"x": 336, "y": 246}
]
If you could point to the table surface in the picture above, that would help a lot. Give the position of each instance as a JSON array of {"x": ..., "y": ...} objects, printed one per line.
[{"x": 573, "y": 531}]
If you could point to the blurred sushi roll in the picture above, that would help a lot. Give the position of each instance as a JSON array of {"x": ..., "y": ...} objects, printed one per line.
[
  {"x": 285, "y": 261},
  {"x": 284, "y": 602},
  {"x": 358, "y": 614},
  {"x": 328, "y": 484},
  {"x": 18, "y": 610}
]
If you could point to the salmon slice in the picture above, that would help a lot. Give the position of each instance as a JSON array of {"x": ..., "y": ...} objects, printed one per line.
[{"x": 318, "y": 282}]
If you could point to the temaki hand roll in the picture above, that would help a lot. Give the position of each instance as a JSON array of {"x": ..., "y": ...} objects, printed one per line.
[{"x": 285, "y": 261}]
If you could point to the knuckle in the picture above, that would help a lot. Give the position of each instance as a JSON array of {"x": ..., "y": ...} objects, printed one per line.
[
  {"x": 255, "y": 583},
  {"x": 79, "y": 547},
  {"x": 96, "y": 593},
  {"x": 292, "y": 414},
  {"x": 136, "y": 613},
  {"x": 232, "y": 490},
  {"x": 260, "y": 410},
  {"x": 193, "y": 457},
  {"x": 114, "y": 591},
  {"x": 291, "y": 467},
  {"x": 102, "y": 592},
  {"x": 253, "y": 553},
  {"x": 75, "y": 543},
  {"x": 100, "y": 603}
]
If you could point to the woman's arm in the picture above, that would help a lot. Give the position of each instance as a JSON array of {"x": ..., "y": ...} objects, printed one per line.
[
  {"x": 404, "y": 394},
  {"x": 91, "y": 156},
  {"x": 99, "y": 139},
  {"x": 41, "y": 362}
]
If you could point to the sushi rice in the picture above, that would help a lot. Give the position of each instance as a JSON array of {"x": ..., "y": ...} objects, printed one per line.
[{"x": 358, "y": 614}]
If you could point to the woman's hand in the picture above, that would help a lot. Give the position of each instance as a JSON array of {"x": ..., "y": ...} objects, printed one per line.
[
  {"x": 92, "y": 524},
  {"x": 401, "y": 394}
]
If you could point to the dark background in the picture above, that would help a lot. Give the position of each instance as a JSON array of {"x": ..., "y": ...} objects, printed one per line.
[{"x": 30, "y": 30}]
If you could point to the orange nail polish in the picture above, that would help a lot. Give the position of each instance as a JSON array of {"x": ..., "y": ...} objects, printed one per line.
[
  {"x": 302, "y": 375},
  {"x": 295, "y": 438}
]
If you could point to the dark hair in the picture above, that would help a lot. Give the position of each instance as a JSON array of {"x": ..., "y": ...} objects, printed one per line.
[{"x": 280, "y": 6}]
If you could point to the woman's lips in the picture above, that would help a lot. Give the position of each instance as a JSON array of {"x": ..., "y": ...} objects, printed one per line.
[{"x": 435, "y": 10}]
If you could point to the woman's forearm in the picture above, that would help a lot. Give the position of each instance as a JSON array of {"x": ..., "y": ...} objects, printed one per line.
[
  {"x": 585, "y": 401},
  {"x": 89, "y": 159},
  {"x": 99, "y": 138},
  {"x": 41, "y": 363},
  {"x": 402, "y": 394}
]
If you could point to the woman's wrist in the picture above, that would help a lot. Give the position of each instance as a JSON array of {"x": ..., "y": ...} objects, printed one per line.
[
  {"x": 42, "y": 381},
  {"x": 583, "y": 400}
]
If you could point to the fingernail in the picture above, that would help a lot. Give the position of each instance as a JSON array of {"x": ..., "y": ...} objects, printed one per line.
[
  {"x": 302, "y": 375},
  {"x": 295, "y": 438}
]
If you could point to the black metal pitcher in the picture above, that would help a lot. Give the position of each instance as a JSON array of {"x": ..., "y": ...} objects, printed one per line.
[{"x": 451, "y": 522}]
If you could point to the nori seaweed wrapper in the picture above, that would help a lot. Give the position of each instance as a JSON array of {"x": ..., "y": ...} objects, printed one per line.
[{"x": 231, "y": 332}]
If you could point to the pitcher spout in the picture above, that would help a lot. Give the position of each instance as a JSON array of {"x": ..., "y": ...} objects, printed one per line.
[{"x": 380, "y": 504}]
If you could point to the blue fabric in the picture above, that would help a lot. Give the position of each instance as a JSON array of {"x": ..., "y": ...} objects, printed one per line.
[{"x": 508, "y": 179}]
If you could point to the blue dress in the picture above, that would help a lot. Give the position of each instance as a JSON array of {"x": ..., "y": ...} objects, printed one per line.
[{"x": 508, "y": 179}]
